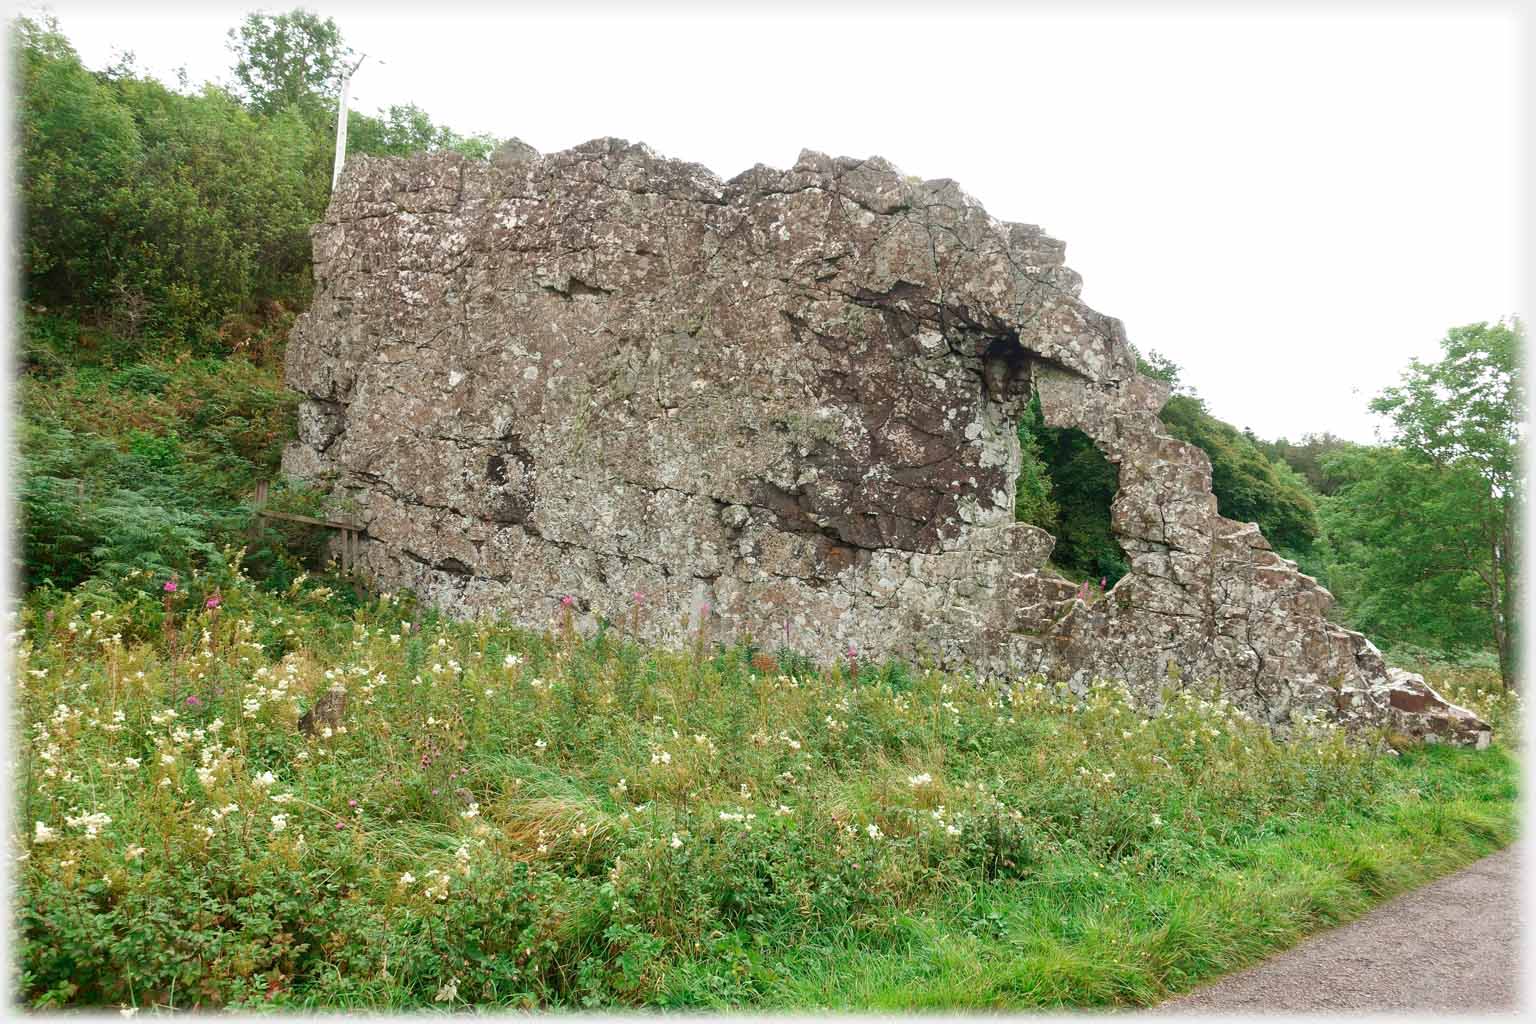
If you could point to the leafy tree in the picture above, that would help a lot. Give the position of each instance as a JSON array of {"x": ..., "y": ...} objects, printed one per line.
[
  {"x": 1464, "y": 416},
  {"x": 1308, "y": 457},
  {"x": 151, "y": 211},
  {"x": 1406, "y": 566},
  {"x": 1159, "y": 367},
  {"x": 79, "y": 155},
  {"x": 404, "y": 129},
  {"x": 287, "y": 60}
]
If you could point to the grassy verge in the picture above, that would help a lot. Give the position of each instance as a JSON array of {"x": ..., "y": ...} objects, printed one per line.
[
  {"x": 566, "y": 819},
  {"x": 1080, "y": 937}
]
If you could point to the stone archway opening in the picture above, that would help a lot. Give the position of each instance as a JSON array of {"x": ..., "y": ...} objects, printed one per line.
[{"x": 1066, "y": 486}]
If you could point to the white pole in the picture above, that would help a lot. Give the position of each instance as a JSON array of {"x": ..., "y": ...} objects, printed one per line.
[{"x": 341, "y": 122}]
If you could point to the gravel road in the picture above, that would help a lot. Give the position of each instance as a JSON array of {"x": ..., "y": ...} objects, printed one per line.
[{"x": 1452, "y": 946}]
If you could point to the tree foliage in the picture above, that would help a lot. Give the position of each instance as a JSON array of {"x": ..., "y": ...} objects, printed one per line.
[
  {"x": 292, "y": 60},
  {"x": 160, "y": 213},
  {"x": 1309, "y": 457},
  {"x": 1426, "y": 529},
  {"x": 153, "y": 210},
  {"x": 1406, "y": 554},
  {"x": 404, "y": 129}
]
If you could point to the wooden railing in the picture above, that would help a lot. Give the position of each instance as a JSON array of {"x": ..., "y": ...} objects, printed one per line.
[{"x": 351, "y": 533}]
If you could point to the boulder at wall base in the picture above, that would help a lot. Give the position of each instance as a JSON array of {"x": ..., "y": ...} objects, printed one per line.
[
  {"x": 783, "y": 407},
  {"x": 1416, "y": 710}
]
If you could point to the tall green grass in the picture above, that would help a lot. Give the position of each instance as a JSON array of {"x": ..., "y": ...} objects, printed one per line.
[{"x": 517, "y": 819}]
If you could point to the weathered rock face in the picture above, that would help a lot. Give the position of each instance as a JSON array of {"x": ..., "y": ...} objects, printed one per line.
[{"x": 782, "y": 407}]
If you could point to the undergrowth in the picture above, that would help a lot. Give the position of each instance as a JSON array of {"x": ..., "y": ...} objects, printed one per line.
[{"x": 517, "y": 819}]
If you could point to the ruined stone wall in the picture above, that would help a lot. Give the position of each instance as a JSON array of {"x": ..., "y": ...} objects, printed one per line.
[{"x": 781, "y": 407}]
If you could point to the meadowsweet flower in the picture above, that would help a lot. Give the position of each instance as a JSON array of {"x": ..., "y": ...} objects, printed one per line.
[
  {"x": 43, "y": 835},
  {"x": 783, "y": 811},
  {"x": 472, "y": 812},
  {"x": 264, "y": 780},
  {"x": 540, "y": 744},
  {"x": 922, "y": 779},
  {"x": 512, "y": 660},
  {"x": 676, "y": 842},
  {"x": 407, "y": 879},
  {"x": 953, "y": 830},
  {"x": 279, "y": 822},
  {"x": 874, "y": 831},
  {"x": 1156, "y": 820}
]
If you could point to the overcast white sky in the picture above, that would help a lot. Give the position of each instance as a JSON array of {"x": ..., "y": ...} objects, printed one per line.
[{"x": 1288, "y": 204}]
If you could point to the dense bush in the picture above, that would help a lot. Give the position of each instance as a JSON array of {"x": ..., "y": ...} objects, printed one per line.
[
  {"x": 151, "y": 210},
  {"x": 166, "y": 215}
]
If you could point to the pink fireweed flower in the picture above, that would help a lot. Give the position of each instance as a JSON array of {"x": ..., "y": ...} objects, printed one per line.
[
  {"x": 639, "y": 597},
  {"x": 170, "y": 585},
  {"x": 194, "y": 702},
  {"x": 213, "y": 602},
  {"x": 567, "y": 600},
  {"x": 704, "y": 609}
]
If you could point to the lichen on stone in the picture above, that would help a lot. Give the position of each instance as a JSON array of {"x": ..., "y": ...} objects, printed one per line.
[{"x": 786, "y": 402}]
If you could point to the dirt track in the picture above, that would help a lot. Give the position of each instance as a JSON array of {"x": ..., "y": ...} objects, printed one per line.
[{"x": 1452, "y": 946}]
